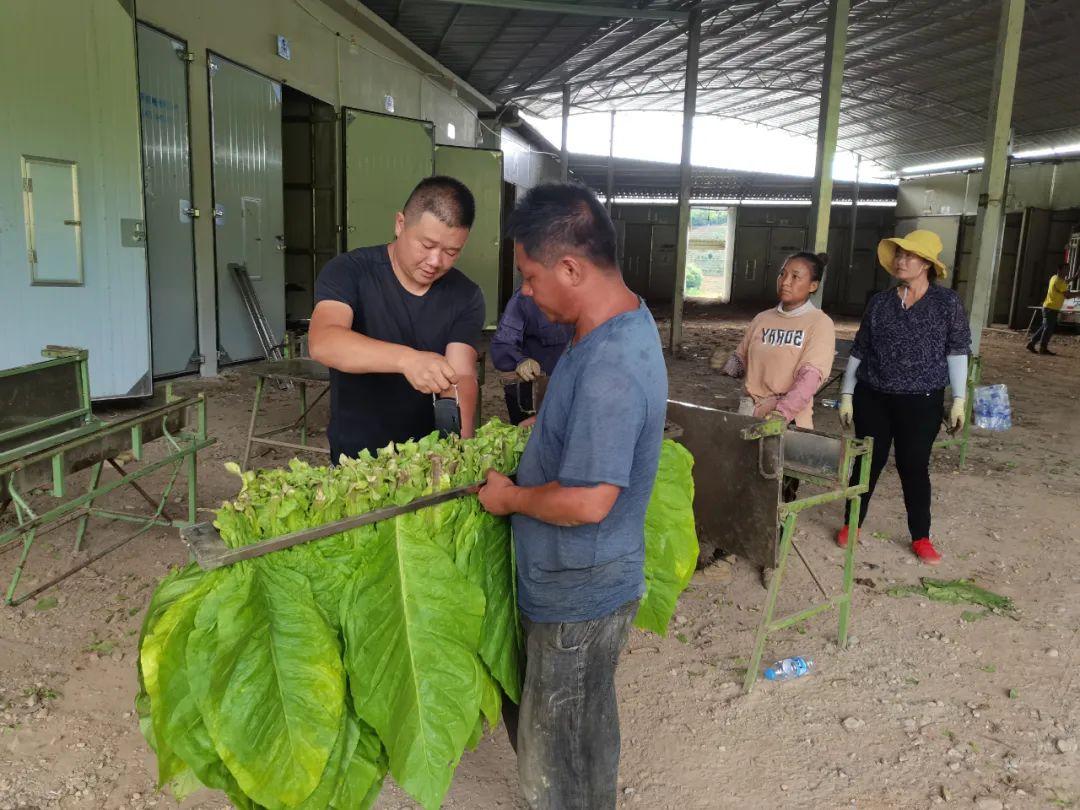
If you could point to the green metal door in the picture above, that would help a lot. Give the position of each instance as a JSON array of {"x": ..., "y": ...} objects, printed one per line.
[
  {"x": 482, "y": 171},
  {"x": 385, "y": 157}
]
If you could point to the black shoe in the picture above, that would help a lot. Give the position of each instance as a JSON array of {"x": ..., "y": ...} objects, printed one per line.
[
  {"x": 1031, "y": 348},
  {"x": 1045, "y": 350}
]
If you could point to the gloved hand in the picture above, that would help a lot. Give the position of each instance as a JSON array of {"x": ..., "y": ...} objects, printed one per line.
[
  {"x": 528, "y": 369},
  {"x": 847, "y": 411},
  {"x": 956, "y": 415}
]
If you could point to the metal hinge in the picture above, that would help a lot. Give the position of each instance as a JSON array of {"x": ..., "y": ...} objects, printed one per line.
[
  {"x": 31, "y": 254},
  {"x": 185, "y": 56},
  {"x": 211, "y": 65},
  {"x": 28, "y": 184}
]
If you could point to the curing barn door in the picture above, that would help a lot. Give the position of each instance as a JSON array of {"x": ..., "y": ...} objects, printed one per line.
[
  {"x": 163, "y": 102},
  {"x": 72, "y": 246},
  {"x": 385, "y": 157},
  {"x": 482, "y": 171},
  {"x": 248, "y": 203}
]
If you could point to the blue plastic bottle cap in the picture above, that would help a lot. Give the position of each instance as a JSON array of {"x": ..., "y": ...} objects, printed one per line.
[{"x": 770, "y": 674}]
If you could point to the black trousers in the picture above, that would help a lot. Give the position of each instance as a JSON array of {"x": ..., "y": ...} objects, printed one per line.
[
  {"x": 1046, "y": 328},
  {"x": 519, "y": 401},
  {"x": 909, "y": 423}
]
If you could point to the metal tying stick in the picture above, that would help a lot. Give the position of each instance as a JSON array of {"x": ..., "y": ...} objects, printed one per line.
[{"x": 210, "y": 551}]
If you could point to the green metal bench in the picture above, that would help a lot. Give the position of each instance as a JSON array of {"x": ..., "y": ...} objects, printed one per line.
[{"x": 48, "y": 432}]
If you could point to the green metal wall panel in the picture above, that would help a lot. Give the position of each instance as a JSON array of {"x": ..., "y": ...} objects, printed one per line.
[
  {"x": 385, "y": 157},
  {"x": 482, "y": 171}
]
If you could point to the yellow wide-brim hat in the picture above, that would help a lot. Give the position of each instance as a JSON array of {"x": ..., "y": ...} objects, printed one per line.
[{"x": 926, "y": 244}]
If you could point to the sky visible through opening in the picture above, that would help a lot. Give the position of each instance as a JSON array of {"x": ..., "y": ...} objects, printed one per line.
[{"x": 722, "y": 143}]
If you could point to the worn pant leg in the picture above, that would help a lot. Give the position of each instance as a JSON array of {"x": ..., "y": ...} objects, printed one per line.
[
  {"x": 1049, "y": 326},
  {"x": 519, "y": 397},
  {"x": 872, "y": 419},
  {"x": 916, "y": 423},
  {"x": 568, "y": 733}
]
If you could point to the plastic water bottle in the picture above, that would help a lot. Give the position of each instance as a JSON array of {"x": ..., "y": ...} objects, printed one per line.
[
  {"x": 992, "y": 409},
  {"x": 829, "y": 403},
  {"x": 789, "y": 668}
]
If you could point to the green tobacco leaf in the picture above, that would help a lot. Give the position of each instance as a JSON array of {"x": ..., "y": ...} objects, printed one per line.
[
  {"x": 362, "y": 779},
  {"x": 671, "y": 545},
  {"x": 169, "y": 619},
  {"x": 491, "y": 568},
  {"x": 412, "y": 623},
  {"x": 275, "y": 694}
]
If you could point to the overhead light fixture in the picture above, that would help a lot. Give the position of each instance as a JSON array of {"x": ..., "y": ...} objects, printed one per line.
[{"x": 927, "y": 168}]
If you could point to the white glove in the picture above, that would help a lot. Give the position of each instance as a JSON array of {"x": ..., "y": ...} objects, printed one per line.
[
  {"x": 847, "y": 411},
  {"x": 956, "y": 415},
  {"x": 528, "y": 369}
]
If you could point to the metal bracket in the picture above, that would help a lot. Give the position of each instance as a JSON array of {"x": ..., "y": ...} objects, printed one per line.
[
  {"x": 211, "y": 65},
  {"x": 188, "y": 212},
  {"x": 769, "y": 427},
  {"x": 132, "y": 232}
]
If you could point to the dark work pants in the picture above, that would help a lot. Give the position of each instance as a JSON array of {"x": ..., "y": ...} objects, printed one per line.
[
  {"x": 519, "y": 401},
  {"x": 1046, "y": 328},
  {"x": 568, "y": 726},
  {"x": 910, "y": 423}
]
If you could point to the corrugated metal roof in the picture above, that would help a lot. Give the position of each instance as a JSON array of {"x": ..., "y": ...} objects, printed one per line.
[
  {"x": 917, "y": 74},
  {"x": 644, "y": 179}
]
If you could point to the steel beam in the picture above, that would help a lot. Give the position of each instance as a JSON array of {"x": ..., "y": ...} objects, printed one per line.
[
  {"x": 564, "y": 148},
  {"x": 693, "y": 45},
  {"x": 832, "y": 83},
  {"x": 992, "y": 192},
  {"x": 552, "y": 7}
]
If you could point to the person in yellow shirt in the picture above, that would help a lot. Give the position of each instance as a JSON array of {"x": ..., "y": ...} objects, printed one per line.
[{"x": 1056, "y": 293}]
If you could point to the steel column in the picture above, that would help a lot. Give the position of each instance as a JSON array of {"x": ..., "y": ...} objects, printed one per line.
[
  {"x": 611, "y": 162},
  {"x": 832, "y": 82},
  {"x": 693, "y": 46},
  {"x": 564, "y": 149},
  {"x": 996, "y": 153},
  {"x": 841, "y": 293}
]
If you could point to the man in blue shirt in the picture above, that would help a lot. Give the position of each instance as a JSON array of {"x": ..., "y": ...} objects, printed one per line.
[
  {"x": 579, "y": 503},
  {"x": 528, "y": 344}
]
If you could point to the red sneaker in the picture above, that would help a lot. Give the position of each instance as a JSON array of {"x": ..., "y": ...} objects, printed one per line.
[
  {"x": 925, "y": 551},
  {"x": 842, "y": 536}
]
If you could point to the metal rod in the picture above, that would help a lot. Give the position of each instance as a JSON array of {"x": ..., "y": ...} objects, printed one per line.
[
  {"x": 996, "y": 154},
  {"x": 40, "y": 424},
  {"x": 80, "y": 532},
  {"x": 770, "y": 603},
  {"x": 832, "y": 82},
  {"x": 289, "y": 445},
  {"x": 693, "y": 48},
  {"x": 145, "y": 495},
  {"x": 583, "y": 10},
  {"x": 251, "y": 424},
  {"x": 202, "y": 537},
  {"x": 810, "y": 570}
]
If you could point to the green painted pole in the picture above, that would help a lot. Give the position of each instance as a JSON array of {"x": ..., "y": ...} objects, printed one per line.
[
  {"x": 991, "y": 211},
  {"x": 770, "y": 602},
  {"x": 832, "y": 82}
]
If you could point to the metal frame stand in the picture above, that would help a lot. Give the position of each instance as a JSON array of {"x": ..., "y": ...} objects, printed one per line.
[
  {"x": 107, "y": 442},
  {"x": 855, "y": 451},
  {"x": 299, "y": 372},
  {"x": 961, "y": 441}
]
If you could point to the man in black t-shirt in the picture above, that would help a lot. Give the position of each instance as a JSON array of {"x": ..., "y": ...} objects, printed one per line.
[{"x": 398, "y": 323}]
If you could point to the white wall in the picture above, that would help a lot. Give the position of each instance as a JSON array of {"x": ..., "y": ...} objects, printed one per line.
[{"x": 1031, "y": 185}]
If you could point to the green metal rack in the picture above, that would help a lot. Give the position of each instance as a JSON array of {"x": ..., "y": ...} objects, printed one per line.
[
  {"x": 48, "y": 432},
  {"x": 809, "y": 458},
  {"x": 961, "y": 440}
]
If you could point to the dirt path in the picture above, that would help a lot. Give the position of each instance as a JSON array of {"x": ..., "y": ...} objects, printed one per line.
[{"x": 923, "y": 708}]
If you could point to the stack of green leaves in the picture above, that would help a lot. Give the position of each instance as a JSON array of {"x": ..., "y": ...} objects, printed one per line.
[{"x": 298, "y": 679}]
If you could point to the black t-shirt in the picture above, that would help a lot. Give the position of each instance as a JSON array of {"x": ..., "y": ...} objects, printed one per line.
[{"x": 371, "y": 410}]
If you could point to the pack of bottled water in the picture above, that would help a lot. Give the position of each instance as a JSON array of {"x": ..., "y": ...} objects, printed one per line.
[{"x": 991, "y": 408}]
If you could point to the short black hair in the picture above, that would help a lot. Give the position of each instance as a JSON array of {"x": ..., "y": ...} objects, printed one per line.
[
  {"x": 560, "y": 218},
  {"x": 817, "y": 262},
  {"x": 447, "y": 199}
]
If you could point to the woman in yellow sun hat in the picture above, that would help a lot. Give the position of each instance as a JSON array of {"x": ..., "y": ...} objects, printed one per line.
[{"x": 913, "y": 341}]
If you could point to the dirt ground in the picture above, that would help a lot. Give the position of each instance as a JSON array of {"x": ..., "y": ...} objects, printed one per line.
[{"x": 923, "y": 708}]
